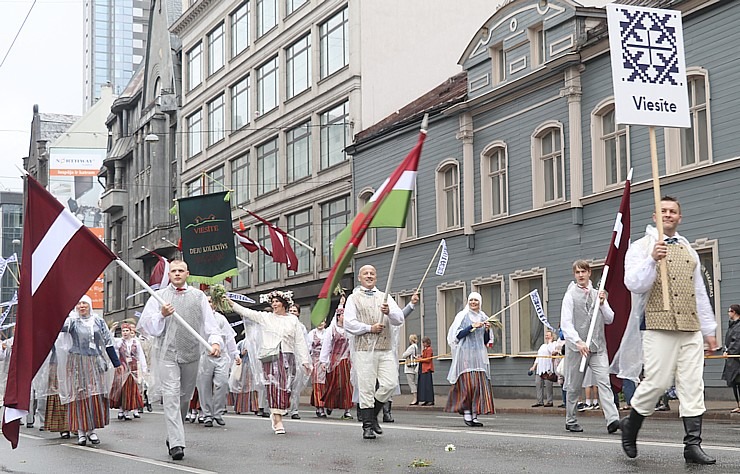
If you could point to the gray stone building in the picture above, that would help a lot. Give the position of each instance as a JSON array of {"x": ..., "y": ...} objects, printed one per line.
[{"x": 523, "y": 174}]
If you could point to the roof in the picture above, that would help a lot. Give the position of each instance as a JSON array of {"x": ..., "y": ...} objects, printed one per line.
[
  {"x": 51, "y": 126},
  {"x": 649, "y": 3},
  {"x": 452, "y": 91}
]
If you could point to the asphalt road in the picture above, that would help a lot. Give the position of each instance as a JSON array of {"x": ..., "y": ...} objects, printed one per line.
[{"x": 508, "y": 443}]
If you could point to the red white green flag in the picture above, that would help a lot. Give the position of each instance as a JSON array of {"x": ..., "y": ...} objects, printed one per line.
[{"x": 386, "y": 208}]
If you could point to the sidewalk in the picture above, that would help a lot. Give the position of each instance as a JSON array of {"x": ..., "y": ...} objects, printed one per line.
[{"x": 716, "y": 410}]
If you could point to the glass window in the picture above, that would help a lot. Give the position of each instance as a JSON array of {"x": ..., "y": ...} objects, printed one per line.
[
  {"x": 298, "y": 144},
  {"x": 550, "y": 164},
  {"x": 448, "y": 196},
  {"x": 267, "y": 86},
  {"x": 452, "y": 301},
  {"x": 194, "y": 134},
  {"x": 215, "y": 180},
  {"x": 411, "y": 217},
  {"x": 334, "y": 38},
  {"x": 194, "y": 188},
  {"x": 496, "y": 159},
  {"x": 240, "y": 29},
  {"x": 267, "y": 270},
  {"x": 240, "y": 104},
  {"x": 334, "y": 130},
  {"x": 195, "y": 66},
  {"x": 240, "y": 180},
  {"x": 267, "y": 155},
  {"x": 334, "y": 218},
  {"x": 370, "y": 233},
  {"x": 298, "y": 65},
  {"x": 492, "y": 304},
  {"x": 614, "y": 146},
  {"x": 293, "y": 5},
  {"x": 216, "y": 120},
  {"x": 530, "y": 333},
  {"x": 695, "y": 140},
  {"x": 266, "y": 16},
  {"x": 299, "y": 226},
  {"x": 216, "y": 49}
]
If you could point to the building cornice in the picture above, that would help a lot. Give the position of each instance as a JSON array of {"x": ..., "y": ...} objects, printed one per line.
[{"x": 190, "y": 17}]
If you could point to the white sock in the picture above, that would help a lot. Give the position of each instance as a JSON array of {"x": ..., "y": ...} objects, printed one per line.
[
  {"x": 475, "y": 416},
  {"x": 588, "y": 401},
  {"x": 467, "y": 416}
]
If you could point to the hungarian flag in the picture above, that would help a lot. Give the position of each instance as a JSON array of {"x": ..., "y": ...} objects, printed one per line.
[
  {"x": 249, "y": 243},
  {"x": 282, "y": 252},
  {"x": 60, "y": 261},
  {"x": 619, "y": 295},
  {"x": 396, "y": 191},
  {"x": 160, "y": 276}
]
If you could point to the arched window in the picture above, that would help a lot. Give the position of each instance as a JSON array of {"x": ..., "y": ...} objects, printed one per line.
[
  {"x": 370, "y": 240},
  {"x": 610, "y": 145},
  {"x": 690, "y": 147},
  {"x": 494, "y": 180},
  {"x": 448, "y": 194},
  {"x": 548, "y": 166}
]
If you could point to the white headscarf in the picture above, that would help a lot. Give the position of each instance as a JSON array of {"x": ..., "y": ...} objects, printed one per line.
[{"x": 474, "y": 316}]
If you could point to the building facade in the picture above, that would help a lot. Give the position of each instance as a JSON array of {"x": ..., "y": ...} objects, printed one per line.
[
  {"x": 525, "y": 174},
  {"x": 115, "y": 34},
  {"x": 11, "y": 233}
]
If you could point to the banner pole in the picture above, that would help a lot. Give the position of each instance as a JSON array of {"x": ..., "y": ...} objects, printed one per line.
[
  {"x": 299, "y": 242},
  {"x": 658, "y": 215},
  {"x": 162, "y": 302},
  {"x": 439, "y": 246}
]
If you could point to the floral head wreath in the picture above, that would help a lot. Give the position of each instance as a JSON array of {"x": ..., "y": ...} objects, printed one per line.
[{"x": 283, "y": 295}]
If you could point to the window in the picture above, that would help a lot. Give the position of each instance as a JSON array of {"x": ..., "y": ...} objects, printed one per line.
[
  {"x": 693, "y": 145},
  {"x": 527, "y": 331},
  {"x": 240, "y": 180},
  {"x": 215, "y": 180},
  {"x": 334, "y": 218},
  {"x": 194, "y": 130},
  {"x": 334, "y": 39},
  {"x": 451, "y": 300},
  {"x": 267, "y": 155},
  {"x": 216, "y": 49},
  {"x": 299, "y": 226},
  {"x": 241, "y": 279},
  {"x": 610, "y": 144},
  {"x": 240, "y": 104},
  {"x": 448, "y": 195},
  {"x": 267, "y": 86},
  {"x": 266, "y": 16},
  {"x": 549, "y": 169},
  {"x": 298, "y": 144},
  {"x": 195, "y": 66},
  {"x": 293, "y": 5},
  {"x": 370, "y": 240},
  {"x": 708, "y": 251},
  {"x": 194, "y": 188},
  {"x": 537, "y": 45},
  {"x": 216, "y": 120},
  {"x": 498, "y": 64},
  {"x": 494, "y": 182},
  {"x": 411, "y": 219},
  {"x": 491, "y": 290},
  {"x": 298, "y": 65},
  {"x": 334, "y": 130},
  {"x": 267, "y": 270},
  {"x": 240, "y": 29},
  {"x": 413, "y": 324}
]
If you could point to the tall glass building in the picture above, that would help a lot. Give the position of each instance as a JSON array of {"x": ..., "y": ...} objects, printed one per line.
[{"x": 115, "y": 37}]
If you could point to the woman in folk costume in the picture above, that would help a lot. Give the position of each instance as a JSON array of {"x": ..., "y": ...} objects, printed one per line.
[
  {"x": 126, "y": 392},
  {"x": 83, "y": 369},
  {"x": 470, "y": 373},
  {"x": 334, "y": 359},
  {"x": 315, "y": 339},
  {"x": 242, "y": 384},
  {"x": 55, "y": 419},
  {"x": 282, "y": 351}
]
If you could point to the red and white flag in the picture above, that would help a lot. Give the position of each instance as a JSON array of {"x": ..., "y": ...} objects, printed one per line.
[
  {"x": 60, "y": 261},
  {"x": 160, "y": 276},
  {"x": 249, "y": 244},
  {"x": 620, "y": 298},
  {"x": 282, "y": 252}
]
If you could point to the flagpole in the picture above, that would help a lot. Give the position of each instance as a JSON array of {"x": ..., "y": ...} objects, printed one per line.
[
  {"x": 313, "y": 250},
  {"x": 512, "y": 304},
  {"x": 162, "y": 302},
  {"x": 394, "y": 260},
  {"x": 658, "y": 215},
  {"x": 429, "y": 267}
]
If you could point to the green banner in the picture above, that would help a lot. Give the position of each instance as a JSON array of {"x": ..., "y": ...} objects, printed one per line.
[{"x": 207, "y": 238}]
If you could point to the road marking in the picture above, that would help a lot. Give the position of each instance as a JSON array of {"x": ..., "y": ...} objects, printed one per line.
[
  {"x": 130, "y": 457},
  {"x": 23, "y": 435}
]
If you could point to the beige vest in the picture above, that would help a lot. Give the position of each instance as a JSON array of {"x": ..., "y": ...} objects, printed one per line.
[
  {"x": 181, "y": 346},
  {"x": 368, "y": 312},
  {"x": 682, "y": 315}
]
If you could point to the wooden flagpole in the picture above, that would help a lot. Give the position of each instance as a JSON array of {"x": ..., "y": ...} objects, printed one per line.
[
  {"x": 429, "y": 267},
  {"x": 658, "y": 214},
  {"x": 299, "y": 242}
]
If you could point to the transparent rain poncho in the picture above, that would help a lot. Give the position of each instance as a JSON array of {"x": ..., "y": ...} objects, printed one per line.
[{"x": 469, "y": 354}]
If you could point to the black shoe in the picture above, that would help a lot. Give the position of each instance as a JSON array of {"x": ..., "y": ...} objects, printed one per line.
[
  {"x": 573, "y": 427},
  {"x": 177, "y": 453},
  {"x": 220, "y": 421},
  {"x": 613, "y": 427},
  {"x": 120, "y": 416},
  {"x": 64, "y": 434},
  {"x": 692, "y": 452},
  {"x": 473, "y": 423},
  {"x": 208, "y": 423},
  {"x": 387, "y": 415},
  {"x": 366, "y": 415},
  {"x": 29, "y": 425},
  {"x": 630, "y": 426},
  {"x": 537, "y": 405},
  {"x": 562, "y": 405},
  {"x": 201, "y": 419},
  {"x": 295, "y": 416},
  {"x": 374, "y": 419},
  {"x": 328, "y": 411},
  {"x": 547, "y": 405}
]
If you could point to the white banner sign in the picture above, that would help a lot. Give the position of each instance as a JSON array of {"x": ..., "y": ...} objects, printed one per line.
[{"x": 648, "y": 66}]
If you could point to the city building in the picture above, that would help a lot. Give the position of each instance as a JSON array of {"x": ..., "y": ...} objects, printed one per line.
[
  {"x": 524, "y": 173},
  {"x": 11, "y": 232},
  {"x": 115, "y": 34}
]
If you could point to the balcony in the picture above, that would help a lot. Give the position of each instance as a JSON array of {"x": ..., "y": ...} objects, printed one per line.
[{"x": 113, "y": 200}]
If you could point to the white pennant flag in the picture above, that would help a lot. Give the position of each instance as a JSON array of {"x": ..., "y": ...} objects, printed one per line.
[
  {"x": 535, "y": 297},
  {"x": 443, "y": 257}
]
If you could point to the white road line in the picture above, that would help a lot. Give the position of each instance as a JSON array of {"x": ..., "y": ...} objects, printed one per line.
[
  {"x": 130, "y": 457},
  {"x": 23, "y": 435}
]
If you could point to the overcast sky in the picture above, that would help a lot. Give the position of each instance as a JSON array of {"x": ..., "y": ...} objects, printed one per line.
[{"x": 44, "y": 67}]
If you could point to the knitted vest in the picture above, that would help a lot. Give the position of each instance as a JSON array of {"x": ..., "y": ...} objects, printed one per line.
[
  {"x": 368, "y": 312},
  {"x": 681, "y": 315},
  {"x": 181, "y": 346},
  {"x": 583, "y": 309}
]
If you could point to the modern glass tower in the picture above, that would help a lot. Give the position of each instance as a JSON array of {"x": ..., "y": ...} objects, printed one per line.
[{"x": 115, "y": 40}]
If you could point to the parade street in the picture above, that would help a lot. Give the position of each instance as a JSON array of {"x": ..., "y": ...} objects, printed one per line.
[{"x": 414, "y": 443}]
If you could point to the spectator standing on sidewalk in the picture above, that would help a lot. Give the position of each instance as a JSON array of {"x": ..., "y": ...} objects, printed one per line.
[{"x": 544, "y": 369}]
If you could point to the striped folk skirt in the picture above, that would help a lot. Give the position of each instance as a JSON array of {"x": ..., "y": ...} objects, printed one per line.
[
  {"x": 317, "y": 395},
  {"x": 88, "y": 413},
  {"x": 279, "y": 376},
  {"x": 244, "y": 402},
  {"x": 472, "y": 391},
  {"x": 87, "y": 387},
  {"x": 338, "y": 389},
  {"x": 56, "y": 415},
  {"x": 194, "y": 402},
  {"x": 128, "y": 397}
]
